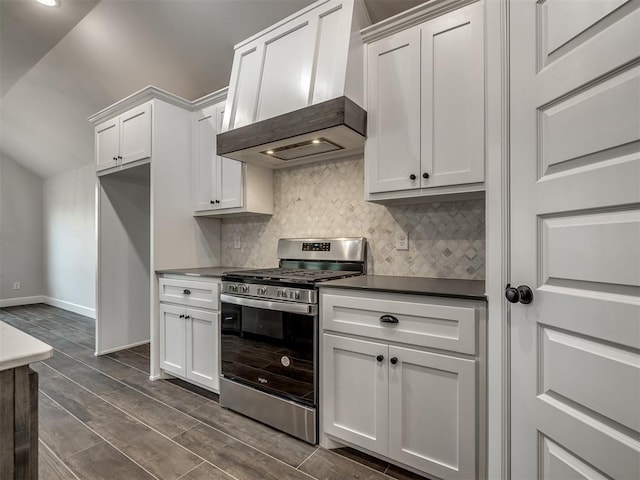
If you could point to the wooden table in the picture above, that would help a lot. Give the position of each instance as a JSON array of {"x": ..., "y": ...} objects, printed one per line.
[{"x": 19, "y": 403}]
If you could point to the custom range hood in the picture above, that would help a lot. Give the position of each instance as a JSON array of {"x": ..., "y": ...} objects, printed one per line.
[
  {"x": 316, "y": 132},
  {"x": 297, "y": 88}
]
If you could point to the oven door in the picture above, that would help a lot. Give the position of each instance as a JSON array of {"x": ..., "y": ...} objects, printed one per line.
[{"x": 271, "y": 346}]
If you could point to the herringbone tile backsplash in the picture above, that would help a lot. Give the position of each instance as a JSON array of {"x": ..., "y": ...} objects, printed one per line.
[{"x": 326, "y": 199}]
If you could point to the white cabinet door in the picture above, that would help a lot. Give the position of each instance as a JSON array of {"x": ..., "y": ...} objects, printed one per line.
[
  {"x": 392, "y": 149},
  {"x": 453, "y": 98},
  {"x": 355, "y": 392},
  {"x": 135, "y": 134},
  {"x": 229, "y": 178},
  {"x": 107, "y": 138},
  {"x": 204, "y": 158},
  {"x": 218, "y": 181},
  {"x": 202, "y": 347},
  {"x": 172, "y": 339},
  {"x": 432, "y": 412}
]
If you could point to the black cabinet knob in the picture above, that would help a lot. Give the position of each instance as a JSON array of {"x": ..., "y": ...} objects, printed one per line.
[
  {"x": 394, "y": 360},
  {"x": 186, "y": 291},
  {"x": 181, "y": 316},
  {"x": 380, "y": 358},
  {"x": 412, "y": 176},
  {"x": 217, "y": 201},
  {"x": 115, "y": 158},
  {"x": 119, "y": 157},
  {"x": 425, "y": 175},
  {"x": 187, "y": 317},
  {"x": 212, "y": 202},
  {"x": 522, "y": 294}
]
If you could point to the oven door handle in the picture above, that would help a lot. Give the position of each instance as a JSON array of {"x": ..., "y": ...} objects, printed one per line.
[{"x": 299, "y": 308}]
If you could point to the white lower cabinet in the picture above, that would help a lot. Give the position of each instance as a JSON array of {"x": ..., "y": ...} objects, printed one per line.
[
  {"x": 414, "y": 406},
  {"x": 189, "y": 340}
]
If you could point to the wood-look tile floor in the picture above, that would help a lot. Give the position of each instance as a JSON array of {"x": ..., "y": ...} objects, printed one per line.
[{"x": 102, "y": 418}]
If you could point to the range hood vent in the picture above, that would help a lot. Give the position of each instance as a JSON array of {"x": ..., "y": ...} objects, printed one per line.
[{"x": 321, "y": 131}]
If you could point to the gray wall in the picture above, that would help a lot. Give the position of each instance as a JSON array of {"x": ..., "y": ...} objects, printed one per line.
[
  {"x": 21, "y": 248},
  {"x": 327, "y": 199},
  {"x": 70, "y": 240}
]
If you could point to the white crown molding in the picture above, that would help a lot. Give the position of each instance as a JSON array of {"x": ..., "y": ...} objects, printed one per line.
[
  {"x": 141, "y": 96},
  {"x": 411, "y": 17},
  {"x": 210, "y": 99}
]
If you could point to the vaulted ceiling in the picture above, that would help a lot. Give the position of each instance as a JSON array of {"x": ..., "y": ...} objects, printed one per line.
[{"x": 60, "y": 65}]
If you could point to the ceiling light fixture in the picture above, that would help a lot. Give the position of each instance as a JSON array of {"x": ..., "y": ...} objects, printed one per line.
[{"x": 49, "y": 3}]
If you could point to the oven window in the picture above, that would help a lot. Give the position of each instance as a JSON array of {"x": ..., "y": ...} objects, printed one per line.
[{"x": 270, "y": 350}]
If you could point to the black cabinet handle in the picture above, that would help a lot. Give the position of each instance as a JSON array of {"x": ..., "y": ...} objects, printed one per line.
[
  {"x": 186, "y": 291},
  {"x": 425, "y": 175},
  {"x": 412, "y": 177},
  {"x": 119, "y": 157},
  {"x": 212, "y": 202},
  {"x": 380, "y": 358},
  {"x": 217, "y": 201},
  {"x": 181, "y": 316},
  {"x": 187, "y": 317},
  {"x": 394, "y": 360},
  {"x": 388, "y": 319}
]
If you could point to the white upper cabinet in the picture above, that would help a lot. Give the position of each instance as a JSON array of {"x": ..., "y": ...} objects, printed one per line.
[
  {"x": 124, "y": 139},
  {"x": 223, "y": 186},
  {"x": 425, "y": 92},
  {"x": 300, "y": 61}
]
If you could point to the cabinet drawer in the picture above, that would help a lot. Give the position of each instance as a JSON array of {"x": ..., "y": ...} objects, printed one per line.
[
  {"x": 447, "y": 324},
  {"x": 190, "y": 292}
]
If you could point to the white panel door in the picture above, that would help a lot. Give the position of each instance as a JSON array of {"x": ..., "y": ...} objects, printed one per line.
[
  {"x": 173, "y": 339},
  {"x": 392, "y": 149},
  {"x": 204, "y": 160},
  {"x": 229, "y": 181},
  {"x": 575, "y": 237},
  {"x": 432, "y": 412},
  {"x": 203, "y": 347},
  {"x": 453, "y": 98},
  {"x": 135, "y": 134},
  {"x": 355, "y": 392}
]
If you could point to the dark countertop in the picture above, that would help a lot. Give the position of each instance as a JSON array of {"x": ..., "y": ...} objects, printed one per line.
[
  {"x": 440, "y": 287},
  {"x": 200, "y": 271}
]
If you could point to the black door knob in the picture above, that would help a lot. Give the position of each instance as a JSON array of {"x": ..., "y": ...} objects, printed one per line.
[
  {"x": 394, "y": 360},
  {"x": 412, "y": 176},
  {"x": 522, "y": 294},
  {"x": 380, "y": 358},
  {"x": 425, "y": 175}
]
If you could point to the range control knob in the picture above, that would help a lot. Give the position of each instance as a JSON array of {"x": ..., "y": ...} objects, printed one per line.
[
  {"x": 243, "y": 288},
  {"x": 281, "y": 293},
  {"x": 233, "y": 288},
  {"x": 294, "y": 294},
  {"x": 262, "y": 290}
]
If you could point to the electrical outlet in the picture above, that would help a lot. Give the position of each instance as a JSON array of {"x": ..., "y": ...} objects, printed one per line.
[
  {"x": 236, "y": 240},
  {"x": 402, "y": 240},
  {"x": 16, "y": 285}
]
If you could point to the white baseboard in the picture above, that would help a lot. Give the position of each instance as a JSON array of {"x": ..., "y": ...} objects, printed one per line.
[
  {"x": 14, "y": 302},
  {"x": 123, "y": 347},
  {"x": 72, "y": 307}
]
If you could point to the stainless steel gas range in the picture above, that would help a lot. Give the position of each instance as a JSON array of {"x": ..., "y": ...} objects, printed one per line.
[{"x": 269, "y": 332}]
